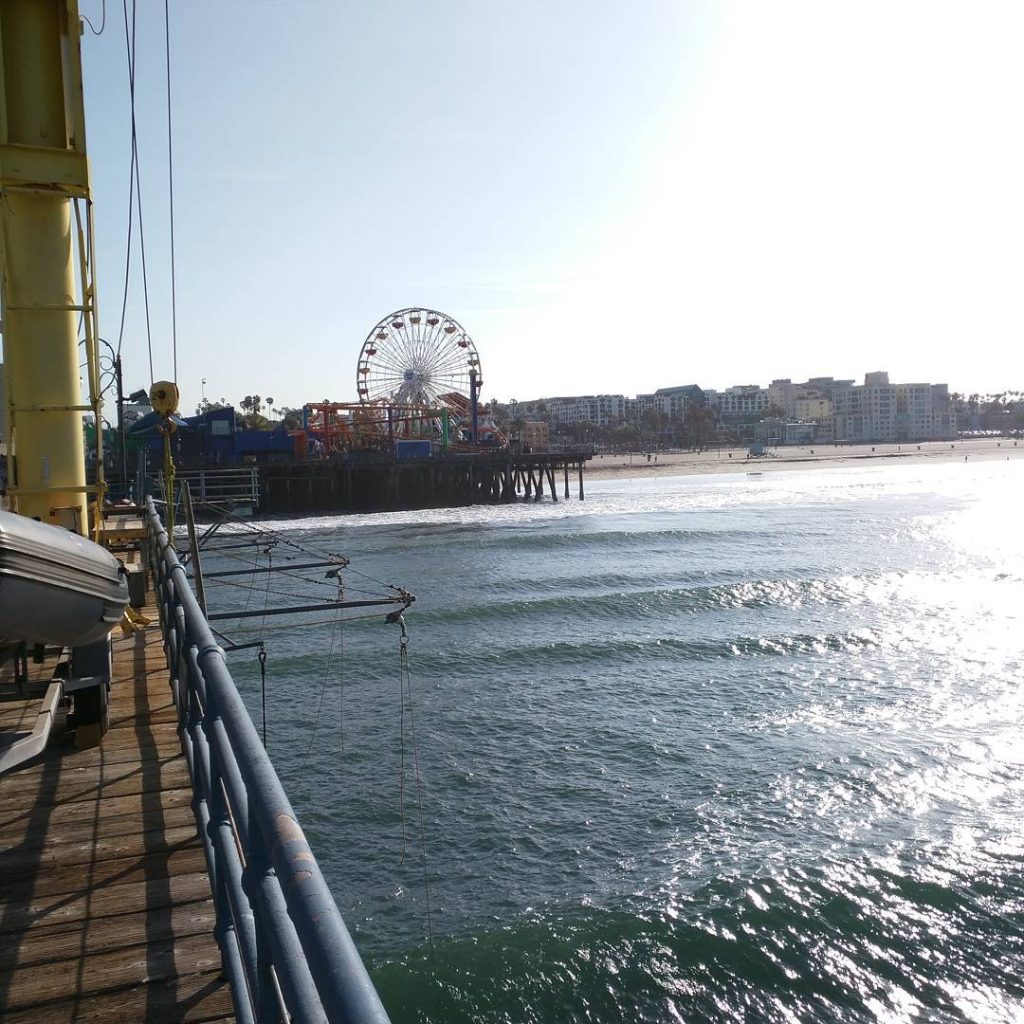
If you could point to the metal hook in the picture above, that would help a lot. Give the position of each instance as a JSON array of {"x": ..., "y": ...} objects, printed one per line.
[{"x": 399, "y": 618}]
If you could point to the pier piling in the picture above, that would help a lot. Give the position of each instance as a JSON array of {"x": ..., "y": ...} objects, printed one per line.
[{"x": 367, "y": 483}]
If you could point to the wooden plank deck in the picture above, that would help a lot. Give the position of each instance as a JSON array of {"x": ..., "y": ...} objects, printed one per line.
[{"x": 105, "y": 908}]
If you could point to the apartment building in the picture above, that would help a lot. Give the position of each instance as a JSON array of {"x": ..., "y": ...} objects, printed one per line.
[
  {"x": 809, "y": 401},
  {"x": 681, "y": 398},
  {"x": 742, "y": 401},
  {"x": 819, "y": 409},
  {"x": 671, "y": 402},
  {"x": 878, "y": 410},
  {"x": 782, "y": 394},
  {"x": 601, "y": 410},
  {"x": 924, "y": 412}
]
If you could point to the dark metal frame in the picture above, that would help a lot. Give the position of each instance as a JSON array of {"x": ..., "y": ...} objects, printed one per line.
[{"x": 286, "y": 951}]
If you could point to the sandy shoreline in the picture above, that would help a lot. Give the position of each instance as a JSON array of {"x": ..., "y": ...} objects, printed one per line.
[{"x": 827, "y": 456}]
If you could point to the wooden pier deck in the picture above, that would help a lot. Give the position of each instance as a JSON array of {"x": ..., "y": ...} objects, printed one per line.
[{"x": 105, "y": 907}]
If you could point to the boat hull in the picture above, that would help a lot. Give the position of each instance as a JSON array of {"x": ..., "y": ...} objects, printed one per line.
[{"x": 55, "y": 586}]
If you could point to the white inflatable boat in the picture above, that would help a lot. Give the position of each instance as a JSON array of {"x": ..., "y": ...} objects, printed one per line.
[{"x": 55, "y": 586}]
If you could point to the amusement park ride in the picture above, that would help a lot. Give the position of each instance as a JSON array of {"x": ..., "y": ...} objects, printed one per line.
[{"x": 418, "y": 379}]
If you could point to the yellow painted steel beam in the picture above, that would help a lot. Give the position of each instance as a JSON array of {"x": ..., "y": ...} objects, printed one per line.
[
  {"x": 36, "y": 168},
  {"x": 43, "y": 166}
]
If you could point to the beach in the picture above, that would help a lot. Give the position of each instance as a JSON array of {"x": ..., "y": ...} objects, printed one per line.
[{"x": 820, "y": 456}]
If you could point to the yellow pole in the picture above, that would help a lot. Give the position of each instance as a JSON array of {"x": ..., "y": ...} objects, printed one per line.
[
  {"x": 42, "y": 163},
  {"x": 48, "y": 445},
  {"x": 164, "y": 397}
]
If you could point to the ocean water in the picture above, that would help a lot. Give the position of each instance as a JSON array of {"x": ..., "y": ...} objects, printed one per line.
[{"x": 732, "y": 748}]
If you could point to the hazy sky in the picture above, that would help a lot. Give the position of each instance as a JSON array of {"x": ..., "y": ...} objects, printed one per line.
[{"x": 611, "y": 197}]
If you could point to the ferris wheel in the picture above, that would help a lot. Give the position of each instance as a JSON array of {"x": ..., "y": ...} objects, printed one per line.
[{"x": 419, "y": 359}]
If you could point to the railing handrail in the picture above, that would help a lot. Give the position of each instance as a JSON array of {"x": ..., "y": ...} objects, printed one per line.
[
  {"x": 212, "y": 472},
  {"x": 220, "y": 483},
  {"x": 283, "y": 941}
]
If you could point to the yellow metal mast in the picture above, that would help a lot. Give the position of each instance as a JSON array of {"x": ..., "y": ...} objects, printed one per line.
[{"x": 44, "y": 172}]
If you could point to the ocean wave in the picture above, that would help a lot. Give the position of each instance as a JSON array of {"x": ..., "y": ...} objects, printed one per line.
[
  {"x": 587, "y": 599},
  {"x": 569, "y": 655}
]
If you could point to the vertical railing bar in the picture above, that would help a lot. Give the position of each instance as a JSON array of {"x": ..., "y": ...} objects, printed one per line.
[
  {"x": 180, "y": 629},
  {"x": 288, "y": 955},
  {"x": 222, "y": 836},
  {"x": 222, "y": 846},
  {"x": 225, "y": 929},
  {"x": 237, "y": 798},
  {"x": 235, "y": 929},
  {"x": 235, "y": 970},
  {"x": 270, "y": 994}
]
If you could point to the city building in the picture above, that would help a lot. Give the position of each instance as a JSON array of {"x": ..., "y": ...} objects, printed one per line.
[
  {"x": 924, "y": 412},
  {"x": 675, "y": 401},
  {"x": 742, "y": 401},
  {"x": 671, "y": 403},
  {"x": 601, "y": 410},
  {"x": 878, "y": 410},
  {"x": 818, "y": 410}
]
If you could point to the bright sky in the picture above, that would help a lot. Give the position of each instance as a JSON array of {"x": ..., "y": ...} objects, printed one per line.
[{"x": 611, "y": 197}]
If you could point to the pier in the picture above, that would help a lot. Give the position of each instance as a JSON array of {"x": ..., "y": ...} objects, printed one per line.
[
  {"x": 377, "y": 484},
  {"x": 152, "y": 867},
  {"x": 106, "y": 909}
]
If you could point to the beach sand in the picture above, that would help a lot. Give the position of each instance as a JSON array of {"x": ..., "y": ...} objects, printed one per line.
[{"x": 821, "y": 456}]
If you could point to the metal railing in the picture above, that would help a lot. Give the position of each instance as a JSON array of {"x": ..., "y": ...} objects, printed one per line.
[
  {"x": 286, "y": 951},
  {"x": 221, "y": 488}
]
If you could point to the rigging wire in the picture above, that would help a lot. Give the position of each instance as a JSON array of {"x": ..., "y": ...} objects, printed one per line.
[
  {"x": 287, "y": 593},
  {"x": 281, "y": 539},
  {"x": 405, "y": 685},
  {"x": 170, "y": 187},
  {"x": 131, "y": 221},
  {"x": 337, "y": 622},
  {"x": 103, "y": 21},
  {"x": 239, "y": 630},
  {"x": 401, "y": 748},
  {"x": 142, "y": 252},
  {"x": 262, "y": 659},
  {"x": 131, "y": 54},
  {"x": 266, "y": 595},
  {"x": 250, "y": 589}
]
